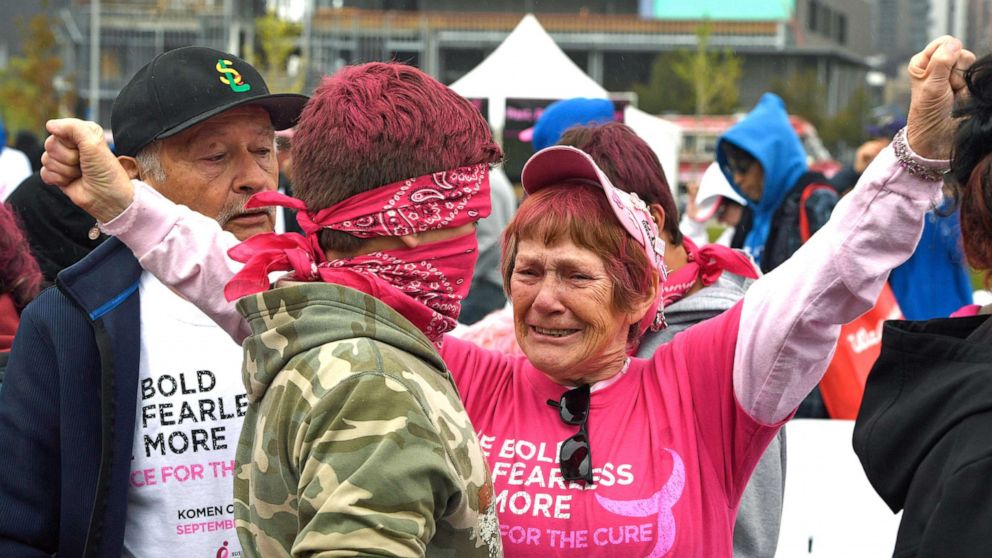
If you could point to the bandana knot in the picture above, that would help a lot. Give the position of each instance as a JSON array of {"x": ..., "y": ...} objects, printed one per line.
[{"x": 705, "y": 265}]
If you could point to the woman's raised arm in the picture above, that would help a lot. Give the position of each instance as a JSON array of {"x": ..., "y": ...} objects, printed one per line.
[{"x": 791, "y": 317}]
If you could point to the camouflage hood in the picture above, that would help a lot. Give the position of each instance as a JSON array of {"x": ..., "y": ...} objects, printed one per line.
[{"x": 332, "y": 313}]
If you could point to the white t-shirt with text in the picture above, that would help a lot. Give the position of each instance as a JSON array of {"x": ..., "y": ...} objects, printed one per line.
[{"x": 191, "y": 404}]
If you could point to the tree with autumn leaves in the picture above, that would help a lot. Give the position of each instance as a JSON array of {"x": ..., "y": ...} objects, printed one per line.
[
  {"x": 278, "y": 41},
  {"x": 28, "y": 97}
]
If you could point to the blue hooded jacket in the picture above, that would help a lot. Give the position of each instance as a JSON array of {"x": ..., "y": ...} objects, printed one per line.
[
  {"x": 768, "y": 136},
  {"x": 934, "y": 282}
]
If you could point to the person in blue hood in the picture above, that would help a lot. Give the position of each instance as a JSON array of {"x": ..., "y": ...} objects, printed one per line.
[{"x": 764, "y": 161}]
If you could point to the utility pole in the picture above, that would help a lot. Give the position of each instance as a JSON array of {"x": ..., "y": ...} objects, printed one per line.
[
  {"x": 95, "y": 60},
  {"x": 306, "y": 41},
  {"x": 232, "y": 22}
]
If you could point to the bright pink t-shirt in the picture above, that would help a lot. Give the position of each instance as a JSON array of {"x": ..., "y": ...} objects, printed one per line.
[{"x": 671, "y": 450}]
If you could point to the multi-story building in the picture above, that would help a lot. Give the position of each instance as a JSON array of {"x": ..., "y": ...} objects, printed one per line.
[
  {"x": 614, "y": 41},
  {"x": 900, "y": 28},
  {"x": 132, "y": 32},
  {"x": 969, "y": 20}
]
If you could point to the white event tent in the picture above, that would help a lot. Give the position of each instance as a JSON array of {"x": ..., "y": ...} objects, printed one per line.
[{"x": 528, "y": 64}]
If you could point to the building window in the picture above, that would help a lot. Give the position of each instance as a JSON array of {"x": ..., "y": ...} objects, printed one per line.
[
  {"x": 401, "y": 5},
  {"x": 814, "y": 8},
  {"x": 842, "y": 29}
]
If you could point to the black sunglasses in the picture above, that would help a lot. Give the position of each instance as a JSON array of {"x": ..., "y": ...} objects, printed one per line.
[{"x": 574, "y": 457}]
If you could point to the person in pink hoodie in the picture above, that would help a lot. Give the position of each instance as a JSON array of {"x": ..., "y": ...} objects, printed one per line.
[{"x": 594, "y": 453}]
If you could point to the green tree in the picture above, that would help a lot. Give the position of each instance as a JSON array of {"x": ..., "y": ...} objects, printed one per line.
[
  {"x": 278, "y": 39},
  {"x": 28, "y": 97},
  {"x": 847, "y": 127},
  {"x": 699, "y": 81},
  {"x": 804, "y": 96},
  {"x": 665, "y": 92}
]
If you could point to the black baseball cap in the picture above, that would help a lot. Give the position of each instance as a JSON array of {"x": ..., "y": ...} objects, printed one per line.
[{"x": 185, "y": 86}]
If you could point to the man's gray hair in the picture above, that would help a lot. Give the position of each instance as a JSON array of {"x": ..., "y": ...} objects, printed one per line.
[{"x": 149, "y": 163}]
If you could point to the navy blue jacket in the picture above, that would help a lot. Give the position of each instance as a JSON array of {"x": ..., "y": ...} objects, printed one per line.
[{"x": 67, "y": 412}]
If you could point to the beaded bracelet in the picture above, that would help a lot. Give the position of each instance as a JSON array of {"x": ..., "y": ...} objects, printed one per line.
[{"x": 928, "y": 169}]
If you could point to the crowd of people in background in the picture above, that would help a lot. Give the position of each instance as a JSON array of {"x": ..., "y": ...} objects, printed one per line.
[{"x": 267, "y": 324}]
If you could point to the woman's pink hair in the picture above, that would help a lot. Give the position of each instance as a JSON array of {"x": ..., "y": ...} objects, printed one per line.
[
  {"x": 630, "y": 164},
  {"x": 20, "y": 276},
  {"x": 378, "y": 123},
  {"x": 976, "y": 218}
]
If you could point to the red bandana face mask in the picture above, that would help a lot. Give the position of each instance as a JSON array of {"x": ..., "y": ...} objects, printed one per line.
[
  {"x": 425, "y": 284},
  {"x": 436, "y": 276}
]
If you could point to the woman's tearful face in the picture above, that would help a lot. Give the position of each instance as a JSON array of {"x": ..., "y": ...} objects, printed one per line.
[{"x": 563, "y": 312}]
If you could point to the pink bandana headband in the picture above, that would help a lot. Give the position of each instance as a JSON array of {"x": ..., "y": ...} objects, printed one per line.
[
  {"x": 425, "y": 284},
  {"x": 704, "y": 264}
]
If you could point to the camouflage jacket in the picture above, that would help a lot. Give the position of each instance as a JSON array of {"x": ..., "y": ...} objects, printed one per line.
[{"x": 355, "y": 442}]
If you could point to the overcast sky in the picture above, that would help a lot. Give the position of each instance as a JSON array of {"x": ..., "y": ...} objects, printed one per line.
[{"x": 288, "y": 9}]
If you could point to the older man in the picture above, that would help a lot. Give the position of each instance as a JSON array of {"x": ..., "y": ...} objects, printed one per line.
[
  {"x": 123, "y": 405},
  {"x": 355, "y": 442}
]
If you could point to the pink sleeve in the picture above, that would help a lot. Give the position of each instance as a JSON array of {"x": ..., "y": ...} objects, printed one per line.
[
  {"x": 791, "y": 317},
  {"x": 966, "y": 311},
  {"x": 185, "y": 250}
]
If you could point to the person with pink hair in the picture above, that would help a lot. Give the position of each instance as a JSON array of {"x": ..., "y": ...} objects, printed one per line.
[{"x": 20, "y": 280}]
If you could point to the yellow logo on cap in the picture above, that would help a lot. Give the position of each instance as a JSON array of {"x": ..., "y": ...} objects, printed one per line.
[{"x": 235, "y": 81}]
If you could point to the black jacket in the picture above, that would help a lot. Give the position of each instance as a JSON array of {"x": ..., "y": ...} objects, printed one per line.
[
  {"x": 58, "y": 231},
  {"x": 67, "y": 412},
  {"x": 924, "y": 434}
]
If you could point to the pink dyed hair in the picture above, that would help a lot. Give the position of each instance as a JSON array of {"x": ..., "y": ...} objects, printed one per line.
[
  {"x": 580, "y": 212},
  {"x": 378, "y": 123},
  {"x": 975, "y": 198},
  {"x": 20, "y": 275},
  {"x": 630, "y": 164}
]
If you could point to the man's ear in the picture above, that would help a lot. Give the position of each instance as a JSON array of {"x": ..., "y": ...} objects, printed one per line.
[
  {"x": 658, "y": 214},
  {"x": 130, "y": 165}
]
